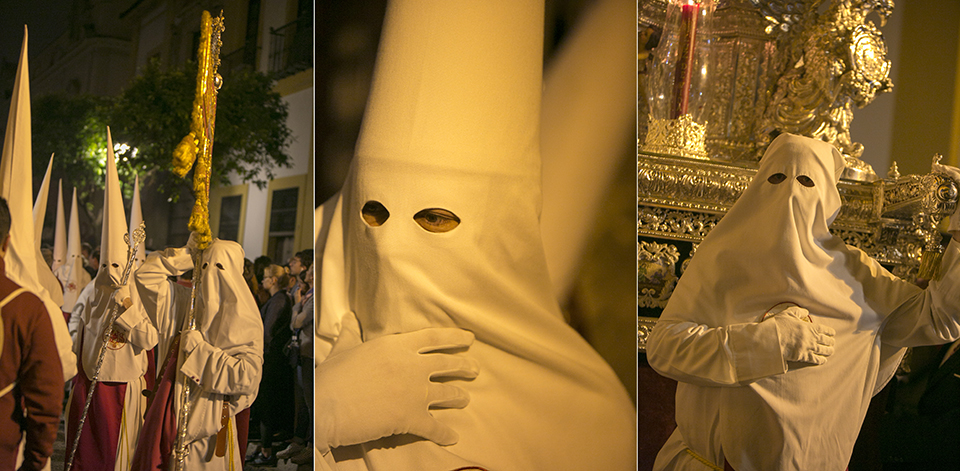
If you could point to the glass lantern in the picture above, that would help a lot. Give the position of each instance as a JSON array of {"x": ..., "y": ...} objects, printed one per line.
[{"x": 678, "y": 86}]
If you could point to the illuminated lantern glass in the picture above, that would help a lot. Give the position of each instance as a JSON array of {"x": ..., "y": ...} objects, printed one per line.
[{"x": 678, "y": 85}]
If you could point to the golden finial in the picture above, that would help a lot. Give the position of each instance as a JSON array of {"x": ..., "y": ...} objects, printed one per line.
[{"x": 198, "y": 144}]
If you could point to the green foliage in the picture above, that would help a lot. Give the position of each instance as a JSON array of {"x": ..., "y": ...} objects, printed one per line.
[
  {"x": 72, "y": 128},
  {"x": 150, "y": 117},
  {"x": 250, "y": 138}
]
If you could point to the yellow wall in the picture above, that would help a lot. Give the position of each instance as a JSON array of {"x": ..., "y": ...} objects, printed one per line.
[{"x": 926, "y": 118}]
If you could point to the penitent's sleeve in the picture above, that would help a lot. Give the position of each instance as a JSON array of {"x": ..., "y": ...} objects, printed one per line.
[
  {"x": 219, "y": 372},
  {"x": 141, "y": 333},
  {"x": 715, "y": 356},
  {"x": 924, "y": 317},
  {"x": 158, "y": 295}
]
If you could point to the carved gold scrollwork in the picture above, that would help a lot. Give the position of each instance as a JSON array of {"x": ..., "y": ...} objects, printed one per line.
[
  {"x": 828, "y": 63},
  {"x": 656, "y": 273},
  {"x": 682, "y": 136},
  {"x": 644, "y": 327},
  {"x": 675, "y": 224}
]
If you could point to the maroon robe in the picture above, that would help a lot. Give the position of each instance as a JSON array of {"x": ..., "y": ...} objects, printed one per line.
[
  {"x": 158, "y": 435},
  {"x": 97, "y": 449}
]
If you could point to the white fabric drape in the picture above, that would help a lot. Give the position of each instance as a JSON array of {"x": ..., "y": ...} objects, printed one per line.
[{"x": 738, "y": 399}]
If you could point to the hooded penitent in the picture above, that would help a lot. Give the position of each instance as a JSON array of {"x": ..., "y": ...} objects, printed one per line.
[
  {"x": 72, "y": 274},
  {"x": 452, "y": 123},
  {"x": 15, "y": 169},
  {"x": 228, "y": 320},
  {"x": 225, "y": 366},
  {"x": 774, "y": 246},
  {"x": 120, "y": 364},
  {"x": 59, "y": 233}
]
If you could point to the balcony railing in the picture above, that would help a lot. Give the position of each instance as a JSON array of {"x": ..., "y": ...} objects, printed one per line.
[
  {"x": 236, "y": 61},
  {"x": 291, "y": 47}
]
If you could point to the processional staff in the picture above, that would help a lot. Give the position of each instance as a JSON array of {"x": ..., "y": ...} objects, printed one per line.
[{"x": 196, "y": 147}]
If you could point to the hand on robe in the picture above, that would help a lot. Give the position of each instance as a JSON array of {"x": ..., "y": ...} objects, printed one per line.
[
  {"x": 192, "y": 242},
  {"x": 387, "y": 386},
  {"x": 190, "y": 340},
  {"x": 800, "y": 339},
  {"x": 122, "y": 296}
]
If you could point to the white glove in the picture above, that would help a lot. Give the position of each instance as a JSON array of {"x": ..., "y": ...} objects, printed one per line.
[
  {"x": 385, "y": 387},
  {"x": 192, "y": 242},
  {"x": 190, "y": 339},
  {"x": 954, "y": 173},
  {"x": 802, "y": 340},
  {"x": 122, "y": 296}
]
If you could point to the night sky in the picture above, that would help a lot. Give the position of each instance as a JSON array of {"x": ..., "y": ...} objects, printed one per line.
[{"x": 46, "y": 20}]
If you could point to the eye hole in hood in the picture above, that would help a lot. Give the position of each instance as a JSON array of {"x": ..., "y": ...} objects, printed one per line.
[
  {"x": 777, "y": 178},
  {"x": 805, "y": 181},
  {"x": 437, "y": 220},
  {"x": 374, "y": 214}
]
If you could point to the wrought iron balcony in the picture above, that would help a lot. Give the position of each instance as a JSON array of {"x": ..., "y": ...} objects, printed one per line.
[{"x": 291, "y": 47}]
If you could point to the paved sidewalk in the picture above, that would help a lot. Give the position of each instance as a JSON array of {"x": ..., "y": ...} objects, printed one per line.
[{"x": 58, "y": 459}]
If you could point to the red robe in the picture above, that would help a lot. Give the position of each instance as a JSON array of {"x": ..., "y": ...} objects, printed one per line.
[
  {"x": 159, "y": 432},
  {"x": 97, "y": 449}
]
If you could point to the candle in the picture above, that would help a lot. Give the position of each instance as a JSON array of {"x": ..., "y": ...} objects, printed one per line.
[{"x": 684, "y": 70}]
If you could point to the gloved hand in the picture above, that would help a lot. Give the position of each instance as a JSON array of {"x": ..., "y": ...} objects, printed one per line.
[
  {"x": 192, "y": 242},
  {"x": 802, "y": 340},
  {"x": 954, "y": 173},
  {"x": 122, "y": 296},
  {"x": 385, "y": 386},
  {"x": 190, "y": 339}
]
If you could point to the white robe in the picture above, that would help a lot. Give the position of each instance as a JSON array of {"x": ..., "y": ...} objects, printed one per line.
[
  {"x": 738, "y": 399},
  {"x": 793, "y": 414}
]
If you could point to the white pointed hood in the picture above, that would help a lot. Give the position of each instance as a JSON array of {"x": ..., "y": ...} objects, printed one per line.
[
  {"x": 44, "y": 271},
  {"x": 136, "y": 217},
  {"x": 72, "y": 274},
  {"x": 59, "y": 233},
  {"x": 452, "y": 122},
  {"x": 588, "y": 127},
  {"x": 40, "y": 205},
  {"x": 15, "y": 170},
  {"x": 113, "y": 249},
  {"x": 24, "y": 263}
]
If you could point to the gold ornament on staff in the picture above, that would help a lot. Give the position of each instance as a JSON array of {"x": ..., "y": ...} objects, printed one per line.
[{"x": 197, "y": 147}]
